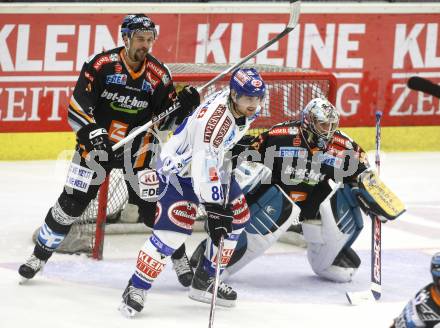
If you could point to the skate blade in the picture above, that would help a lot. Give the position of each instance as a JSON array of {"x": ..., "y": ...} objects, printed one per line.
[
  {"x": 204, "y": 297},
  {"x": 127, "y": 311},
  {"x": 23, "y": 281}
]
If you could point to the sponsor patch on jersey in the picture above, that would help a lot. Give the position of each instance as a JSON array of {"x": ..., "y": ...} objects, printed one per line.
[
  {"x": 105, "y": 60},
  {"x": 146, "y": 86},
  {"x": 283, "y": 131},
  {"x": 79, "y": 177},
  {"x": 148, "y": 184},
  {"x": 148, "y": 265},
  {"x": 159, "y": 72},
  {"x": 120, "y": 79},
  {"x": 183, "y": 214},
  {"x": 222, "y": 132},
  {"x": 117, "y": 131},
  {"x": 152, "y": 79},
  {"x": 298, "y": 196},
  {"x": 297, "y": 141},
  {"x": 127, "y": 104},
  {"x": 342, "y": 141},
  {"x": 330, "y": 160},
  {"x": 118, "y": 68},
  {"x": 293, "y": 152},
  {"x": 213, "y": 121},
  {"x": 166, "y": 79}
]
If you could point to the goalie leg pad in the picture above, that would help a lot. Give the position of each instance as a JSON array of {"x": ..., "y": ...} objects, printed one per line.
[
  {"x": 271, "y": 215},
  {"x": 327, "y": 238}
]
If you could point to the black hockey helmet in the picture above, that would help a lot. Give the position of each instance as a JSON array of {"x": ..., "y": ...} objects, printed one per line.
[
  {"x": 137, "y": 22},
  {"x": 435, "y": 269}
]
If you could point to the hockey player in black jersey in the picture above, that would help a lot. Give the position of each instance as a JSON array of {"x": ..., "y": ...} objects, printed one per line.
[
  {"x": 423, "y": 311},
  {"x": 305, "y": 175},
  {"x": 117, "y": 91}
]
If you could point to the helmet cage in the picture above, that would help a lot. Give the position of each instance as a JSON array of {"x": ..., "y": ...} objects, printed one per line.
[{"x": 321, "y": 118}]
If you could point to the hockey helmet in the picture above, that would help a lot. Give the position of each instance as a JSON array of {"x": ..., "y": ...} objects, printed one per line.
[
  {"x": 435, "y": 269},
  {"x": 321, "y": 118},
  {"x": 136, "y": 23},
  {"x": 247, "y": 82}
]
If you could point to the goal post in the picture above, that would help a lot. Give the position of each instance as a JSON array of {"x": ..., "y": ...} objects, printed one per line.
[{"x": 288, "y": 91}]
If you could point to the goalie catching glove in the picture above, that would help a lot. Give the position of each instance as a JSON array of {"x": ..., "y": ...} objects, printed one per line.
[
  {"x": 375, "y": 198},
  {"x": 94, "y": 138},
  {"x": 219, "y": 221}
]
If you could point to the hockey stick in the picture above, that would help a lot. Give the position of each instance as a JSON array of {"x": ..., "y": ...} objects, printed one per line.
[
  {"x": 375, "y": 292},
  {"x": 423, "y": 85},
  {"x": 218, "y": 262},
  {"x": 293, "y": 21}
]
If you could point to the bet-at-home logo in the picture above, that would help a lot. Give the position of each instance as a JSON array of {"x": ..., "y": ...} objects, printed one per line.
[{"x": 126, "y": 104}]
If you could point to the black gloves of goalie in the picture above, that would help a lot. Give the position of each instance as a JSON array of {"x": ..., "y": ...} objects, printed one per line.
[
  {"x": 95, "y": 138},
  {"x": 219, "y": 221},
  {"x": 189, "y": 99}
]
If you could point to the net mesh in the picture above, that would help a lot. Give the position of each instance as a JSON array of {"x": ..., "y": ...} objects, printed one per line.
[{"x": 288, "y": 91}]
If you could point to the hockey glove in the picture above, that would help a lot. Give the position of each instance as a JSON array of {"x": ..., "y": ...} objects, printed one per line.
[
  {"x": 189, "y": 99},
  {"x": 95, "y": 138},
  {"x": 219, "y": 221}
]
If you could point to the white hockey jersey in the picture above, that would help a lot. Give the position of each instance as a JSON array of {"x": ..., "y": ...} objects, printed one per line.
[{"x": 198, "y": 146}]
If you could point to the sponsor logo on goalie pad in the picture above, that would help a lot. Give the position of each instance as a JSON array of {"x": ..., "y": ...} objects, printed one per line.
[
  {"x": 183, "y": 214},
  {"x": 79, "y": 177}
]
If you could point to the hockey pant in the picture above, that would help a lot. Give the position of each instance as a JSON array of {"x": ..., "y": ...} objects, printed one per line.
[
  {"x": 175, "y": 214},
  {"x": 329, "y": 239},
  {"x": 83, "y": 181},
  {"x": 272, "y": 213}
]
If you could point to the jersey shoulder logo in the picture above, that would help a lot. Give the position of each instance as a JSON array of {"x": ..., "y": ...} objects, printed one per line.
[{"x": 213, "y": 121}]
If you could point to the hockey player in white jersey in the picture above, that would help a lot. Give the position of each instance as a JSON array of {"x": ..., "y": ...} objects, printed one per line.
[{"x": 193, "y": 170}]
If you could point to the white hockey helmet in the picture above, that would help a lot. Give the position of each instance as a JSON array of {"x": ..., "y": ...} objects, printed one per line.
[{"x": 321, "y": 118}]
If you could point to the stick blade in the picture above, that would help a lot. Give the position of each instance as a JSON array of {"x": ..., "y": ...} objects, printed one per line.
[{"x": 359, "y": 298}]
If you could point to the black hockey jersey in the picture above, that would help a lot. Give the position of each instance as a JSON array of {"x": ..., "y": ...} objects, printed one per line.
[
  {"x": 118, "y": 99},
  {"x": 421, "y": 311},
  {"x": 299, "y": 166}
]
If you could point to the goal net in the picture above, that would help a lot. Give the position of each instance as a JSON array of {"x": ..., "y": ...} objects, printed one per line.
[{"x": 288, "y": 91}]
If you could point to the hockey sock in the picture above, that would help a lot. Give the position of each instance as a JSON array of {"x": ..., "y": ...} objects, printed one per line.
[{"x": 150, "y": 262}]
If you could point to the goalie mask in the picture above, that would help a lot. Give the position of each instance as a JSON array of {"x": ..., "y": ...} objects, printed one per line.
[
  {"x": 435, "y": 269},
  {"x": 320, "y": 119}
]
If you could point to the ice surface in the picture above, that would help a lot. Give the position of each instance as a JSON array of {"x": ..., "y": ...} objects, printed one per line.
[{"x": 276, "y": 290}]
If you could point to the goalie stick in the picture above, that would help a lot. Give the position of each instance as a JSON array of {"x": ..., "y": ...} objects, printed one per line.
[
  {"x": 375, "y": 292},
  {"x": 420, "y": 84}
]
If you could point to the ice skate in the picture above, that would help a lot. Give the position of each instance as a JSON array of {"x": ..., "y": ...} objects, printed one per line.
[
  {"x": 29, "y": 269},
  {"x": 132, "y": 301},
  {"x": 201, "y": 289},
  {"x": 183, "y": 270}
]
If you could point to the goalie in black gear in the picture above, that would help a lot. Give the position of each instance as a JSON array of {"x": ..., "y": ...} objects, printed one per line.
[
  {"x": 423, "y": 311},
  {"x": 317, "y": 175},
  {"x": 116, "y": 92}
]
